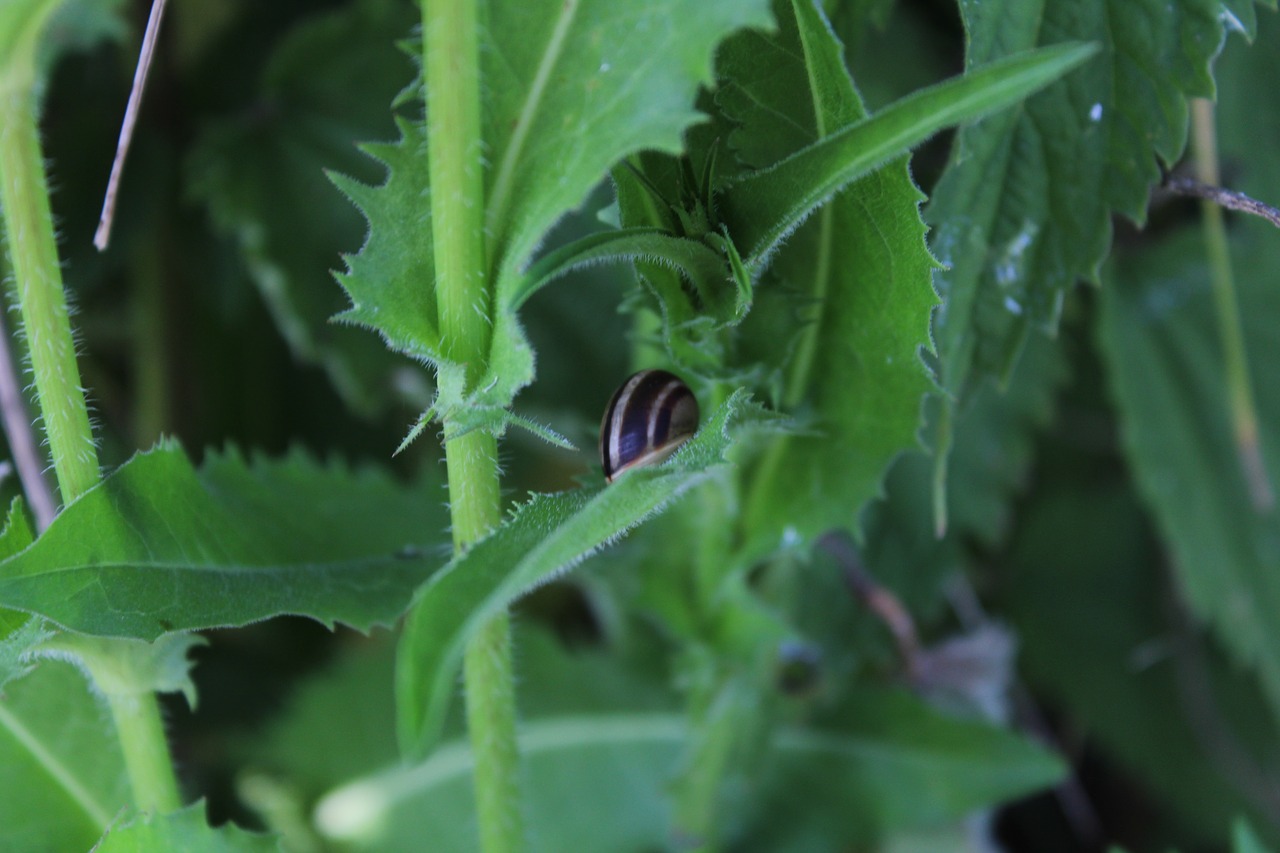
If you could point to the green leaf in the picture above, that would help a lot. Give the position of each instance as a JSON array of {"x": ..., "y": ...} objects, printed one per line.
[
  {"x": 17, "y": 535},
  {"x": 892, "y": 764},
  {"x": 572, "y": 90},
  {"x": 618, "y": 763},
  {"x": 897, "y": 765},
  {"x": 545, "y": 537},
  {"x": 63, "y": 779},
  {"x": 1099, "y": 640},
  {"x": 993, "y": 443},
  {"x": 1024, "y": 209},
  {"x": 158, "y": 547},
  {"x": 1160, "y": 342},
  {"x": 260, "y": 172},
  {"x": 18, "y": 648},
  {"x": 854, "y": 377},
  {"x": 703, "y": 267},
  {"x": 764, "y": 207},
  {"x": 185, "y": 830},
  {"x": 124, "y": 667}
]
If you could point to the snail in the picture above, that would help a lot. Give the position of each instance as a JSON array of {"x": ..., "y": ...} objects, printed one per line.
[{"x": 651, "y": 415}]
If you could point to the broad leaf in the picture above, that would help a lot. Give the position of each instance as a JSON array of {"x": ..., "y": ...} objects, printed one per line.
[
  {"x": 891, "y": 764},
  {"x": 63, "y": 781},
  {"x": 897, "y": 765},
  {"x": 159, "y": 547},
  {"x": 1024, "y": 209},
  {"x": 572, "y": 89},
  {"x": 1087, "y": 593},
  {"x": 186, "y": 830},
  {"x": 862, "y": 268},
  {"x": 261, "y": 170},
  {"x": 1160, "y": 339},
  {"x": 545, "y": 537},
  {"x": 762, "y": 208}
]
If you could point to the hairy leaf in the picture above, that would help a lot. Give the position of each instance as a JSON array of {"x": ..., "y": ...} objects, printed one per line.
[
  {"x": 159, "y": 547},
  {"x": 572, "y": 89},
  {"x": 545, "y": 537},
  {"x": 763, "y": 207},
  {"x": 1023, "y": 211},
  {"x": 17, "y": 535},
  {"x": 862, "y": 268},
  {"x": 1162, "y": 342}
]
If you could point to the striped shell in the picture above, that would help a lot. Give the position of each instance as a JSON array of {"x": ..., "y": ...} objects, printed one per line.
[{"x": 651, "y": 415}]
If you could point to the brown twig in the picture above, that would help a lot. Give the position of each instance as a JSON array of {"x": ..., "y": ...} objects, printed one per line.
[
  {"x": 103, "y": 235},
  {"x": 1230, "y": 199}
]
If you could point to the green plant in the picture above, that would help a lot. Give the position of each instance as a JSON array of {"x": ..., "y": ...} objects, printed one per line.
[{"x": 766, "y": 659}]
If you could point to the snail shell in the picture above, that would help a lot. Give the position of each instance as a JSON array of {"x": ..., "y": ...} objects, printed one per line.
[{"x": 651, "y": 415}]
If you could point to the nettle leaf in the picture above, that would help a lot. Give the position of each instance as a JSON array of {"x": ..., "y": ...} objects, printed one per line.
[
  {"x": 1024, "y": 209},
  {"x": 186, "y": 830},
  {"x": 260, "y": 172},
  {"x": 545, "y": 537},
  {"x": 572, "y": 89},
  {"x": 64, "y": 779},
  {"x": 159, "y": 547},
  {"x": 862, "y": 265},
  {"x": 1160, "y": 338},
  {"x": 993, "y": 445}
]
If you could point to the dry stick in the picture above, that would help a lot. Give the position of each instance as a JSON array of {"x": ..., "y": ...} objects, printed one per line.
[
  {"x": 1230, "y": 199},
  {"x": 103, "y": 235},
  {"x": 22, "y": 441}
]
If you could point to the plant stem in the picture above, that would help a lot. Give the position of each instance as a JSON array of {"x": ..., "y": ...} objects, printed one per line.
[
  {"x": 43, "y": 305},
  {"x": 1244, "y": 414},
  {"x": 51, "y": 348},
  {"x": 456, "y": 159},
  {"x": 146, "y": 752}
]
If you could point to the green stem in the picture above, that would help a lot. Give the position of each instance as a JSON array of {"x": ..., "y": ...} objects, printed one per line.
[
  {"x": 42, "y": 305},
  {"x": 146, "y": 752},
  {"x": 1244, "y": 413},
  {"x": 456, "y": 160}
]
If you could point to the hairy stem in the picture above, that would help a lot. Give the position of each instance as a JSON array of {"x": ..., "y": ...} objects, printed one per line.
[
  {"x": 42, "y": 305},
  {"x": 1244, "y": 413},
  {"x": 456, "y": 161}
]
